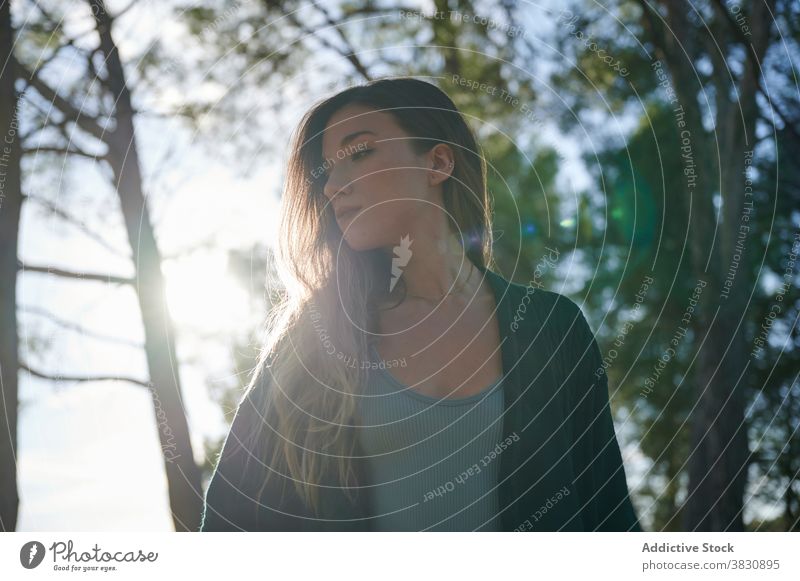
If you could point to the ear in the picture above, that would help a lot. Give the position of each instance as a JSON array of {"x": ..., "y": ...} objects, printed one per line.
[{"x": 442, "y": 162}]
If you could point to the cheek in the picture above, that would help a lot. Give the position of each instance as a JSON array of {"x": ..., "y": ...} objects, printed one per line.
[
  {"x": 388, "y": 184},
  {"x": 392, "y": 201},
  {"x": 381, "y": 224}
]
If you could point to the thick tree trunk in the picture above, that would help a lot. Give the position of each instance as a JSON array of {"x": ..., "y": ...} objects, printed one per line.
[
  {"x": 718, "y": 472},
  {"x": 183, "y": 474},
  {"x": 10, "y": 205},
  {"x": 721, "y": 257},
  {"x": 717, "y": 466}
]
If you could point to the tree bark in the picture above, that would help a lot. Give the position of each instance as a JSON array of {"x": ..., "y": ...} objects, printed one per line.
[
  {"x": 719, "y": 455},
  {"x": 183, "y": 474},
  {"x": 10, "y": 207}
]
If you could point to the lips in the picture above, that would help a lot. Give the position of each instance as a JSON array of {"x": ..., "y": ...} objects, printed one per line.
[{"x": 346, "y": 212}]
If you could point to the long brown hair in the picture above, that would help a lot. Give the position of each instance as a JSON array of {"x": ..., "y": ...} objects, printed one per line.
[{"x": 322, "y": 323}]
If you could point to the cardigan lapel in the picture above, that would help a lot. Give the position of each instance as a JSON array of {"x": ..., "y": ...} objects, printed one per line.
[
  {"x": 515, "y": 403},
  {"x": 533, "y": 468}
]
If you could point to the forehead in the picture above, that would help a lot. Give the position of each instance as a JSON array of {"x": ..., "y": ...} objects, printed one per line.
[{"x": 355, "y": 118}]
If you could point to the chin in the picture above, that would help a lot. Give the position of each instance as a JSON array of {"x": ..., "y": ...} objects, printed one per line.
[
  {"x": 365, "y": 236},
  {"x": 360, "y": 242}
]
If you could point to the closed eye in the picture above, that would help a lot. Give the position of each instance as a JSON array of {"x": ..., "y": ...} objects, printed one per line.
[
  {"x": 355, "y": 156},
  {"x": 360, "y": 154}
]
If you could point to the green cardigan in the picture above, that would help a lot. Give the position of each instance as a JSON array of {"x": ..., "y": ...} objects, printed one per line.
[{"x": 560, "y": 470}]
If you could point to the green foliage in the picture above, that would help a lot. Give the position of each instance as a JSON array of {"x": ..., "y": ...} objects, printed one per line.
[
  {"x": 526, "y": 207},
  {"x": 646, "y": 233}
]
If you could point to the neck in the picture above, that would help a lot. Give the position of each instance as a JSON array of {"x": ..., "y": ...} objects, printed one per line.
[{"x": 438, "y": 265}]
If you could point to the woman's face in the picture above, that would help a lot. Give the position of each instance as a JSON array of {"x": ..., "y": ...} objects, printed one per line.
[{"x": 378, "y": 187}]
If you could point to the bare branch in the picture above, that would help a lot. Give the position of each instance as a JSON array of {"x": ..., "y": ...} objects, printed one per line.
[
  {"x": 350, "y": 56},
  {"x": 108, "y": 278},
  {"x": 130, "y": 5},
  {"x": 64, "y": 151},
  {"x": 69, "y": 218},
  {"x": 86, "y": 122},
  {"x": 63, "y": 130},
  {"x": 56, "y": 23},
  {"x": 81, "y": 378},
  {"x": 77, "y": 328},
  {"x": 351, "y": 53},
  {"x": 42, "y": 63}
]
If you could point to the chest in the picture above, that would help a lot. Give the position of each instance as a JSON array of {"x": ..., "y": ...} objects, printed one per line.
[{"x": 446, "y": 353}]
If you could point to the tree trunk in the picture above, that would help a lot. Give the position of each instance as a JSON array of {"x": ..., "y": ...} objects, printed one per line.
[
  {"x": 718, "y": 471},
  {"x": 719, "y": 454},
  {"x": 183, "y": 474},
  {"x": 10, "y": 205},
  {"x": 717, "y": 466}
]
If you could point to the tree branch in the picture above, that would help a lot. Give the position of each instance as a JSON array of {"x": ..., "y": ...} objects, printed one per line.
[
  {"x": 64, "y": 151},
  {"x": 351, "y": 57},
  {"x": 108, "y": 278},
  {"x": 351, "y": 54},
  {"x": 86, "y": 122},
  {"x": 61, "y": 126},
  {"x": 69, "y": 218},
  {"x": 77, "y": 328},
  {"x": 130, "y": 5},
  {"x": 56, "y": 22},
  {"x": 81, "y": 378}
]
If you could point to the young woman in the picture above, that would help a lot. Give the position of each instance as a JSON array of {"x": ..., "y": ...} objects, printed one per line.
[{"x": 405, "y": 385}]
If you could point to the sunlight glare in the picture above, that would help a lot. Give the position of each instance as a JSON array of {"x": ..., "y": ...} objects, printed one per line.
[{"x": 203, "y": 296}]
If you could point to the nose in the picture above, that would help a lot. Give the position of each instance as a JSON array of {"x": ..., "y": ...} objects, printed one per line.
[{"x": 336, "y": 183}]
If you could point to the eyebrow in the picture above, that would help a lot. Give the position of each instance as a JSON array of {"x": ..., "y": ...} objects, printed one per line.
[{"x": 351, "y": 136}]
